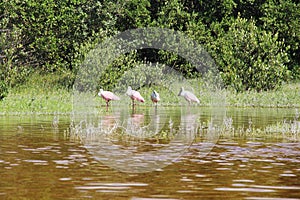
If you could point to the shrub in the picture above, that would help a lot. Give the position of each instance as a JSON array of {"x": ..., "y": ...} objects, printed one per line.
[
  {"x": 52, "y": 31},
  {"x": 283, "y": 17},
  {"x": 12, "y": 69},
  {"x": 249, "y": 58}
]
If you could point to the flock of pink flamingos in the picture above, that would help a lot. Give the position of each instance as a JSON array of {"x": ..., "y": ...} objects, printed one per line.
[{"x": 135, "y": 95}]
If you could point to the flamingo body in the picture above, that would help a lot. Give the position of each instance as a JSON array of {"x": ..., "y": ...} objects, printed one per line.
[
  {"x": 108, "y": 96},
  {"x": 155, "y": 97},
  {"x": 134, "y": 95},
  {"x": 189, "y": 96}
]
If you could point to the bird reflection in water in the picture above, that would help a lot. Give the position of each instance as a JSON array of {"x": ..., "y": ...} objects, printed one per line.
[
  {"x": 135, "y": 124},
  {"x": 109, "y": 123}
]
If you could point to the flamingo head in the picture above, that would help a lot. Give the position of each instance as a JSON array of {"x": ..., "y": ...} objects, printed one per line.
[
  {"x": 181, "y": 91},
  {"x": 156, "y": 94}
]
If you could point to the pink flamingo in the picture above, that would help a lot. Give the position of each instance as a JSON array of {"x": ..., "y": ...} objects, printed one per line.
[
  {"x": 108, "y": 96},
  {"x": 134, "y": 95},
  {"x": 155, "y": 97},
  {"x": 189, "y": 96}
]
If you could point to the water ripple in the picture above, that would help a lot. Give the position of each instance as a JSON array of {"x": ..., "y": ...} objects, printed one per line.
[
  {"x": 114, "y": 187},
  {"x": 244, "y": 189}
]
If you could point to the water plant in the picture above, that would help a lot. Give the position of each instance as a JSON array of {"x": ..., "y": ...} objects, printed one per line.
[{"x": 285, "y": 129}]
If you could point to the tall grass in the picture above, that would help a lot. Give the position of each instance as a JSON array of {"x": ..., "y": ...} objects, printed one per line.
[
  {"x": 39, "y": 95},
  {"x": 286, "y": 96}
]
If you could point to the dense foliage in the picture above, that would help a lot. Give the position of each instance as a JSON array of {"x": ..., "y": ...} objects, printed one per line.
[
  {"x": 250, "y": 58},
  {"x": 255, "y": 43}
]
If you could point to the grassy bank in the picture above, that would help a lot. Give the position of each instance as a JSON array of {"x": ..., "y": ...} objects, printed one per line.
[
  {"x": 286, "y": 96},
  {"x": 41, "y": 94}
]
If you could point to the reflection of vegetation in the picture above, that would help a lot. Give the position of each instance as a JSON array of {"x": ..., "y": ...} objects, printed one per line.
[
  {"x": 284, "y": 129},
  {"x": 133, "y": 129},
  {"x": 289, "y": 130}
]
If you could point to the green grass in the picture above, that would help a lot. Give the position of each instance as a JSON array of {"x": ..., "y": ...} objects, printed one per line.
[
  {"x": 41, "y": 94},
  {"x": 286, "y": 96}
]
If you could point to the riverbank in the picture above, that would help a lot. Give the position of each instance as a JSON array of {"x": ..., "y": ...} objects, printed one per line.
[{"x": 40, "y": 95}]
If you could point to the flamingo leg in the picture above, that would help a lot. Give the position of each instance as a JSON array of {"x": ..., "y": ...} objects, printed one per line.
[
  {"x": 132, "y": 104},
  {"x": 107, "y": 106}
]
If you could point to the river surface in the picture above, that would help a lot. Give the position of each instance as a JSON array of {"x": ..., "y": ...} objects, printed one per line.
[{"x": 121, "y": 156}]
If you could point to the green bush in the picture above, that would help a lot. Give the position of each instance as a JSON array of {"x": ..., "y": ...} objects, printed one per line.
[
  {"x": 283, "y": 17},
  {"x": 53, "y": 31},
  {"x": 54, "y": 36},
  {"x": 49, "y": 36},
  {"x": 249, "y": 58},
  {"x": 3, "y": 89},
  {"x": 12, "y": 69}
]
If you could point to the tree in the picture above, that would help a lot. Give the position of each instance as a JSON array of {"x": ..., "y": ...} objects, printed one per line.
[
  {"x": 283, "y": 18},
  {"x": 250, "y": 58}
]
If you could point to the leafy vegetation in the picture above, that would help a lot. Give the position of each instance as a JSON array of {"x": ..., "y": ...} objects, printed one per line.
[
  {"x": 250, "y": 58},
  {"x": 255, "y": 43}
]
